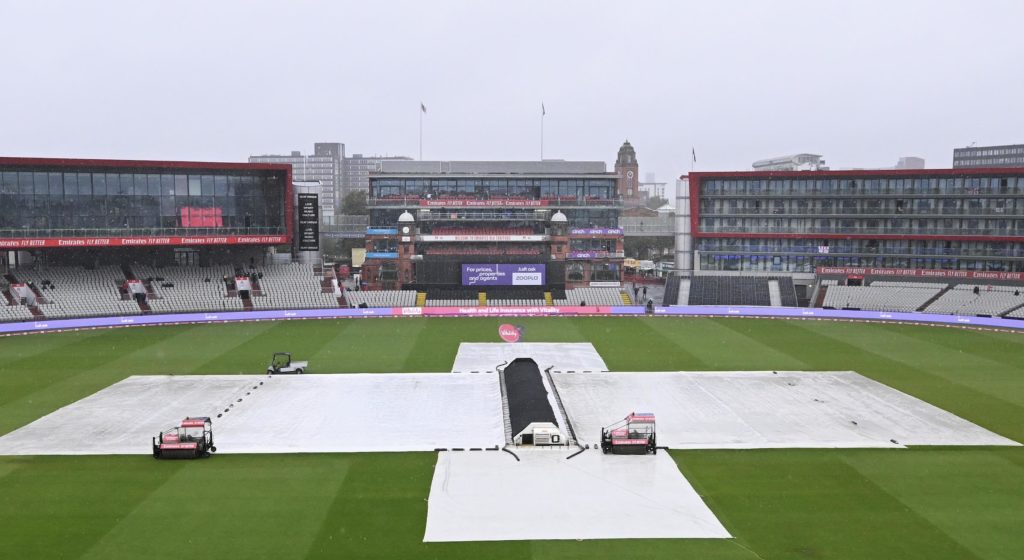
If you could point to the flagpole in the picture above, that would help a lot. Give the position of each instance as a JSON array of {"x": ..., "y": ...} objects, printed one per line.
[
  {"x": 421, "y": 131},
  {"x": 542, "y": 135}
]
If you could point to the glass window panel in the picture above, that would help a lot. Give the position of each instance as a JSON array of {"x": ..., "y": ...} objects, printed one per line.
[
  {"x": 153, "y": 185},
  {"x": 85, "y": 184},
  {"x": 99, "y": 184},
  {"x": 125, "y": 184},
  {"x": 41, "y": 183},
  {"x": 180, "y": 185},
  {"x": 194, "y": 187},
  {"x": 8, "y": 182},
  {"x": 70, "y": 184},
  {"x": 139, "y": 186},
  {"x": 206, "y": 185},
  {"x": 167, "y": 185},
  {"x": 56, "y": 184},
  {"x": 25, "y": 183},
  {"x": 220, "y": 184}
]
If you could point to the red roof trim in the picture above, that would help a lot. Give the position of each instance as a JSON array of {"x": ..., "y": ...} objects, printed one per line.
[
  {"x": 839, "y": 173},
  {"x": 126, "y": 163}
]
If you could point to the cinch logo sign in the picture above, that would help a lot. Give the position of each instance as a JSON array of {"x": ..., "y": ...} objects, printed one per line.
[{"x": 509, "y": 333}]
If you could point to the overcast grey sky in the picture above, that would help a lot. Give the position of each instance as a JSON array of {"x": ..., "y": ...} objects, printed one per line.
[{"x": 861, "y": 82}]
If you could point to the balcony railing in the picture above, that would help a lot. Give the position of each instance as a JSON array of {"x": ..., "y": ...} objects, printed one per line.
[
  {"x": 503, "y": 216},
  {"x": 841, "y": 252},
  {"x": 981, "y": 213},
  {"x": 462, "y": 202},
  {"x": 962, "y": 193},
  {"x": 138, "y": 232},
  {"x": 858, "y": 231}
]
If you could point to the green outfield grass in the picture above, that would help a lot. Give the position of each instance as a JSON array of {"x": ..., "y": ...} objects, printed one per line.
[{"x": 933, "y": 503}]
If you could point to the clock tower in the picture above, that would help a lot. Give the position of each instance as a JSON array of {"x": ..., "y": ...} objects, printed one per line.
[{"x": 628, "y": 172}]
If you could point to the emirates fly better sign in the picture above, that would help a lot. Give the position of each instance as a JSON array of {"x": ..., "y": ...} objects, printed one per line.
[{"x": 503, "y": 275}]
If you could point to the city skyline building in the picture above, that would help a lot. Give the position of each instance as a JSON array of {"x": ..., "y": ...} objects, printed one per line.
[
  {"x": 1011, "y": 155},
  {"x": 324, "y": 165}
]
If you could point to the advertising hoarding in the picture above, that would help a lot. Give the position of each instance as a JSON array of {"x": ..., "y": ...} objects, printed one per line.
[{"x": 504, "y": 275}]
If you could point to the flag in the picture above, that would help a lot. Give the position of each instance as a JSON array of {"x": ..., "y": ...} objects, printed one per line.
[
  {"x": 694, "y": 152},
  {"x": 423, "y": 107},
  {"x": 542, "y": 111}
]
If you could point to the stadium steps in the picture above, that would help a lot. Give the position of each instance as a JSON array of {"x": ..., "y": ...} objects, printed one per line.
[
  {"x": 548, "y": 300},
  {"x": 9, "y": 297},
  {"x": 820, "y": 300},
  {"x": 421, "y": 299},
  {"x": 481, "y": 298},
  {"x": 36, "y": 312},
  {"x": 35, "y": 290},
  {"x": 684, "y": 292},
  {"x": 257, "y": 290},
  {"x": 625, "y": 298},
  {"x": 774, "y": 293},
  {"x": 941, "y": 293},
  {"x": 143, "y": 305}
]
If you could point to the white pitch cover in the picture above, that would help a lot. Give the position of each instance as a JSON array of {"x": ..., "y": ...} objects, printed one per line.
[
  {"x": 286, "y": 414},
  {"x": 489, "y": 496},
  {"x": 764, "y": 409},
  {"x": 561, "y": 356}
]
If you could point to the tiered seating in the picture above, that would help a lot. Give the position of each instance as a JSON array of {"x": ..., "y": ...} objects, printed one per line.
[
  {"x": 78, "y": 292},
  {"x": 1016, "y": 314},
  {"x": 382, "y": 298},
  {"x": 292, "y": 286},
  {"x": 591, "y": 296},
  {"x": 990, "y": 300},
  {"x": 438, "y": 302},
  {"x": 896, "y": 284},
  {"x": 515, "y": 302},
  {"x": 673, "y": 291},
  {"x": 787, "y": 290},
  {"x": 195, "y": 288},
  {"x": 729, "y": 290},
  {"x": 877, "y": 298},
  {"x": 14, "y": 312}
]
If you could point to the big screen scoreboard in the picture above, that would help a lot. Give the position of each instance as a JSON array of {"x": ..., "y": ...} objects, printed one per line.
[{"x": 504, "y": 275}]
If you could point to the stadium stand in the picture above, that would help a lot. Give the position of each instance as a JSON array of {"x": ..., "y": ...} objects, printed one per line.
[
  {"x": 292, "y": 286},
  {"x": 974, "y": 299},
  {"x": 728, "y": 290},
  {"x": 591, "y": 296},
  {"x": 184, "y": 289},
  {"x": 452, "y": 303},
  {"x": 382, "y": 298},
  {"x": 738, "y": 290},
  {"x": 76, "y": 292},
  {"x": 880, "y": 298},
  {"x": 15, "y": 313},
  {"x": 516, "y": 302}
]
